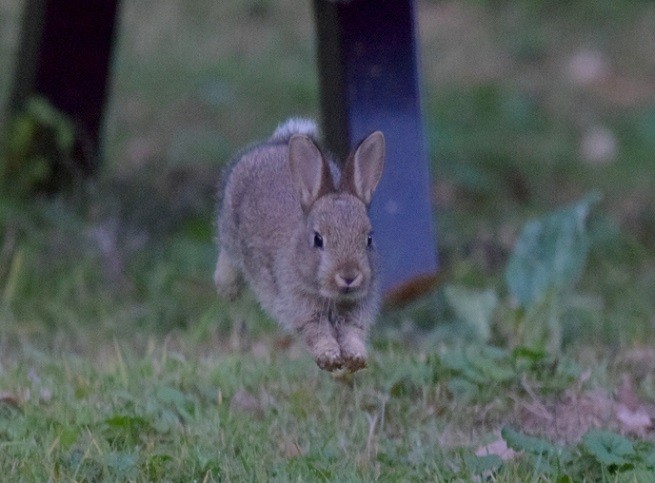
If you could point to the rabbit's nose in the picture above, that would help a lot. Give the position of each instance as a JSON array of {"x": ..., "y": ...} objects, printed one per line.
[{"x": 349, "y": 280}]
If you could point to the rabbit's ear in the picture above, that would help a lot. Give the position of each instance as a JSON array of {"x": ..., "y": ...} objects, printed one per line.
[
  {"x": 363, "y": 169},
  {"x": 309, "y": 172}
]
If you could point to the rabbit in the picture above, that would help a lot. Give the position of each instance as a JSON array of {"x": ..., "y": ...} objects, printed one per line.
[{"x": 296, "y": 229}]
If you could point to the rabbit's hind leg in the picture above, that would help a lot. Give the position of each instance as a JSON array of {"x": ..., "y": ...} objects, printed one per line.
[{"x": 228, "y": 279}]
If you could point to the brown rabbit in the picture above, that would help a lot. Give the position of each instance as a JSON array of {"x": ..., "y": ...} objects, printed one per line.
[{"x": 297, "y": 230}]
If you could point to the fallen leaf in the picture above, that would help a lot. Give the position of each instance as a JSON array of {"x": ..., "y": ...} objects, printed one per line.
[
  {"x": 640, "y": 360},
  {"x": 498, "y": 448},
  {"x": 10, "y": 399},
  {"x": 246, "y": 402},
  {"x": 598, "y": 146},
  {"x": 635, "y": 421},
  {"x": 626, "y": 393},
  {"x": 290, "y": 449},
  {"x": 587, "y": 67},
  {"x": 261, "y": 350},
  {"x": 45, "y": 395},
  {"x": 630, "y": 411},
  {"x": 568, "y": 417}
]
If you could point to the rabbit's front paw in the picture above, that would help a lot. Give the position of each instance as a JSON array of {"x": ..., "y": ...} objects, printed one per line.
[
  {"x": 354, "y": 358},
  {"x": 353, "y": 352},
  {"x": 354, "y": 362},
  {"x": 329, "y": 360}
]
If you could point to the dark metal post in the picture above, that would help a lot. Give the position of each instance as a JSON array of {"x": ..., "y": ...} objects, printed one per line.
[
  {"x": 367, "y": 56},
  {"x": 64, "y": 56}
]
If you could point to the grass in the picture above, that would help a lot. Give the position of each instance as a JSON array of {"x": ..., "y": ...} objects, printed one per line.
[
  {"x": 185, "y": 414},
  {"x": 117, "y": 361}
]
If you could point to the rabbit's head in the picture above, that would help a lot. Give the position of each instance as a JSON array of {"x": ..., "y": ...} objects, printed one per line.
[{"x": 335, "y": 251}]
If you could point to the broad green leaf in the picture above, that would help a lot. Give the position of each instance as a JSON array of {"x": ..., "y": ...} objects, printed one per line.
[
  {"x": 169, "y": 396},
  {"x": 458, "y": 363},
  {"x": 123, "y": 464},
  {"x": 550, "y": 253},
  {"x": 637, "y": 475},
  {"x": 480, "y": 365},
  {"x": 608, "y": 448},
  {"x": 86, "y": 468},
  {"x": 21, "y": 134},
  {"x": 68, "y": 436},
  {"x": 530, "y": 444},
  {"x": 646, "y": 451},
  {"x": 473, "y": 307},
  {"x": 532, "y": 356},
  {"x": 481, "y": 464},
  {"x": 462, "y": 388},
  {"x": 166, "y": 421},
  {"x": 493, "y": 363},
  {"x": 125, "y": 429},
  {"x": 404, "y": 387},
  {"x": 126, "y": 422}
]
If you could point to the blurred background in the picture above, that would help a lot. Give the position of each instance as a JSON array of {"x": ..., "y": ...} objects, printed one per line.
[{"x": 528, "y": 106}]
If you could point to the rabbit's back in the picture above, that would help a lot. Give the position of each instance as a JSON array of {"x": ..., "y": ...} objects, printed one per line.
[{"x": 260, "y": 212}]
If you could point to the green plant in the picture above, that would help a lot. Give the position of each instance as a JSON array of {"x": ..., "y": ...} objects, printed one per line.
[
  {"x": 40, "y": 151},
  {"x": 548, "y": 259},
  {"x": 601, "y": 454}
]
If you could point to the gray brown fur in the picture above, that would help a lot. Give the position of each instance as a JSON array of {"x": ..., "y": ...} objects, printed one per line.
[{"x": 277, "y": 198}]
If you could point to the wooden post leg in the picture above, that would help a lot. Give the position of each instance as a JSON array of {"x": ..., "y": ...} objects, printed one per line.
[{"x": 367, "y": 58}]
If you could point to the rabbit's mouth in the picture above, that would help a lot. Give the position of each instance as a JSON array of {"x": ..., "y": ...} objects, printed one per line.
[
  {"x": 344, "y": 294},
  {"x": 349, "y": 293}
]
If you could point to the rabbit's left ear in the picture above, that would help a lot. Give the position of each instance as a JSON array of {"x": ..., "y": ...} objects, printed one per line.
[{"x": 363, "y": 169}]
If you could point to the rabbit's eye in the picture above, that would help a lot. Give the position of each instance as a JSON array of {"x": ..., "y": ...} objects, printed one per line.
[
  {"x": 318, "y": 240},
  {"x": 369, "y": 240}
]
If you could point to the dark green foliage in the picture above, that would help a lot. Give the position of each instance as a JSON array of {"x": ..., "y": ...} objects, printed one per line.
[
  {"x": 550, "y": 254},
  {"x": 600, "y": 454},
  {"x": 42, "y": 153}
]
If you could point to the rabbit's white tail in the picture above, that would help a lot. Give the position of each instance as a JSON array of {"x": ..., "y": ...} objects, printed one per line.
[{"x": 295, "y": 125}]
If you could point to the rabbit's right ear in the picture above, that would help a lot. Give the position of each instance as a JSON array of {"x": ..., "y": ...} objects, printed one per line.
[{"x": 309, "y": 172}]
